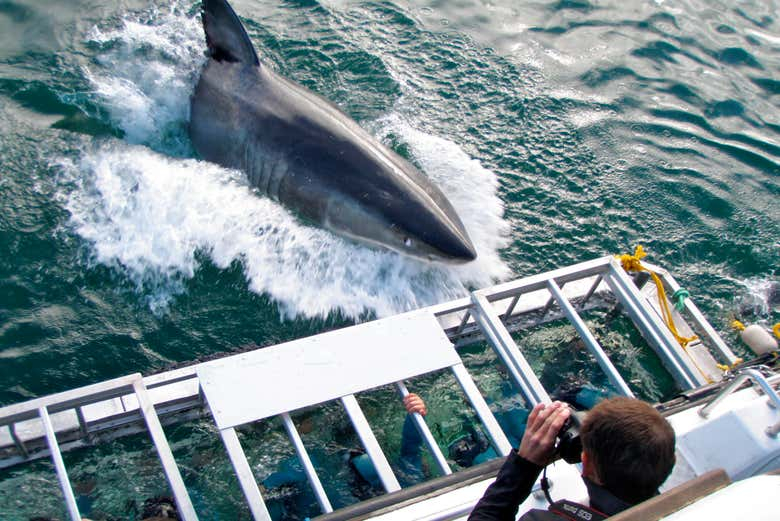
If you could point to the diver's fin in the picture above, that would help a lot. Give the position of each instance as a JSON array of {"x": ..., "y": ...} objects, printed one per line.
[{"x": 225, "y": 35}]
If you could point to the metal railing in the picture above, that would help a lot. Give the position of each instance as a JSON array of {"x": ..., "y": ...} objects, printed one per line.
[{"x": 741, "y": 377}]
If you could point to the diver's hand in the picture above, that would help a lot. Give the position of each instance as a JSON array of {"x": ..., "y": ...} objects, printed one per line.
[
  {"x": 544, "y": 422},
  {"x": 414, "y": 403}
]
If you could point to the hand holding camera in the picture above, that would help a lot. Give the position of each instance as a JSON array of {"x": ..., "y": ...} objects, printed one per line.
[{"x": 544, "y": 424}]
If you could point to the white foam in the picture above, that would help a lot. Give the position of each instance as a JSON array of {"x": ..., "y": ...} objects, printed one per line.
[
  {"x": 149, "y": 215},
  {"x": 759, "y": 299},
  {"x": 145, "y": 75},
  {"x": 152, "y": 217},
  {"x": 472, "y": 190}
]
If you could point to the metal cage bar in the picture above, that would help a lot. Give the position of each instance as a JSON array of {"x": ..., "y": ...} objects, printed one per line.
[
  {"x": 511, "y": 307},
  {"x": 68, "y": 399},
  {"x": 647, "y": 331},
  {"x": 716, "y": 341},
  {"x": 308, "y": 467},
  {"x": 244, "y": 474},
  {"x": 17, "y": 441},
  {"x": 551, "y": 300},
  {"x": 372, "y": 447},
  {"x": 567, "y": 274},
  {"x": 425, "y": 432},
  {"x": 82, "y": 422},
  {"x": 183, "y": 502},
  {"x": 507, "y": 350},
  {"x": 59, "y": 465},
  {"x": 463, "y": 322},
  {"x": 651, "y": 325},
  {"x": 497, "y": 436},
  {"x": 590, "y": 341},
  {"x": 591, "y": 291}
]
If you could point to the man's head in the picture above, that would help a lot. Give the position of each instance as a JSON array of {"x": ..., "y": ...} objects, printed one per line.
[{"x": 628, "y": 447}]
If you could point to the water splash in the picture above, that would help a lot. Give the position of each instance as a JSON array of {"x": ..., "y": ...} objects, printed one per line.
[
  {"x": 150, "y": 215},
  {"x": 145, "y": 74},
  {"x": 761, "y": 300}
]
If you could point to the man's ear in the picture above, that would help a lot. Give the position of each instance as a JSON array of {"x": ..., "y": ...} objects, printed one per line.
[
  {"x": 588, "y": 470},
  {"x": 585, "y": 464}
]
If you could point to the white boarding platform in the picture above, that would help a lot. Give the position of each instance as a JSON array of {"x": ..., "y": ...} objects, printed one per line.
[{"x": 259, "y": 384}]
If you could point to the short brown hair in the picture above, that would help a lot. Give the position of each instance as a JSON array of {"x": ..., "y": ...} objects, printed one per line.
[{"x": 631, "y": 446}]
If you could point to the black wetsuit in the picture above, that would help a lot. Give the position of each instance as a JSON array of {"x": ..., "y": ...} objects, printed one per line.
[{"x": 513, "y": 485}]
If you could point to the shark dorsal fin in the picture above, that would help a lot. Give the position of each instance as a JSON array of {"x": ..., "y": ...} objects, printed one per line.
[{"x": 225, "y": 35}]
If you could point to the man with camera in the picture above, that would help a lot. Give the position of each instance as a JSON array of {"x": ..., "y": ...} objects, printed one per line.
[{"x": 627, "y": 453}]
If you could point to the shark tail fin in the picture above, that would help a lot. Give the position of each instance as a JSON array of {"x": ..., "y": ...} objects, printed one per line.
[{"x": 225, "y": 35}]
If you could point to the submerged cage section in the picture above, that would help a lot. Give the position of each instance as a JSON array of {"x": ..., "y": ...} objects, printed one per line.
[{"x": 334, "y": 367}]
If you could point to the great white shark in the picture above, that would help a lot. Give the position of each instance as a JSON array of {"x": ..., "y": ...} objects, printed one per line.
[{"x": 301, "y": 150}]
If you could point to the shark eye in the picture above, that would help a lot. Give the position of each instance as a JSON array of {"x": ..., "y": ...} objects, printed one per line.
[{"x": 407, "y": 241}]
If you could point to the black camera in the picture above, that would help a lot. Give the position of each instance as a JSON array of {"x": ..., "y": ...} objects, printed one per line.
[{"x": 569, "y": 447}]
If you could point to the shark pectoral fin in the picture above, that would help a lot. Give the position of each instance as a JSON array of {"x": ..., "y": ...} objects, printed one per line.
[{"x": 225, "y": 35}]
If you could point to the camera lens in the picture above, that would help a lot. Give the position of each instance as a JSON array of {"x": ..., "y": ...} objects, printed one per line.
[{"x": 569, "y": 447}]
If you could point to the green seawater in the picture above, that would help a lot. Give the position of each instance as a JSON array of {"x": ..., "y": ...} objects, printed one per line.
[{"x": 561, "y": 131}]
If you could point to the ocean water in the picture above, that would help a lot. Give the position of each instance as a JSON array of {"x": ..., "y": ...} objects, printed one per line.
[{"x": 561, "y": 131}]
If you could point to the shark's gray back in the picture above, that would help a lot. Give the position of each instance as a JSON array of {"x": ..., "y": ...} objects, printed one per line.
[{"x": 300, "y": 149}]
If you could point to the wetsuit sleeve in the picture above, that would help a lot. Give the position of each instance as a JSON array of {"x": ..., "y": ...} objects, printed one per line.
[
  {"x": 410, "y": 460},
  {"x": 511, "y": 487},
  {"x": 411, "y": 441}
]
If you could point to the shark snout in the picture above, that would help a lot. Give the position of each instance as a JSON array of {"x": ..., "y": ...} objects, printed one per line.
[
  {"x": 456, "y": 246},
  {"x": 438, "y": 235},
  {"x": 463, "y": 251}
]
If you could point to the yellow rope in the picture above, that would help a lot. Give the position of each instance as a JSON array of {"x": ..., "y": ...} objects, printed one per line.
[
  {"x": 727, "y": 367},
  {"x": 739, "y": 326},
  {"x": 634, "y": 263},
  {"x": 776, "y": 330}
]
